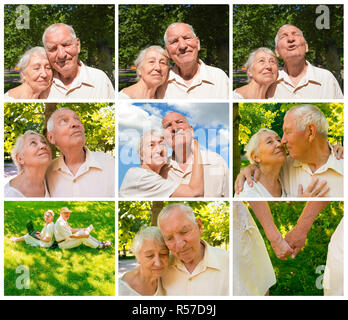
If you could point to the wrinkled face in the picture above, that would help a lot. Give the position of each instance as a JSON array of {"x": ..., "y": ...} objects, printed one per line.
[
  {"x": 62, "y": 50},
  {"x": 177, "y": 132},
  {"x": 294, "y": 139},
  {"x": 68, "y": 130},
  {"x": 48, "y": 217},
  {"x": 270, "y": 149},
  {"x": 38, "y": 73},
  {"x": 291, "y": 43},
  {"x": 154, "y": 68},
  {"x": 264, "y": 69},
  {"x": 154, "y": 152},
  {"x": 182, "y": 236},
  {"x": 35, "y": 152},
  {"x": 153, "y": 257},
  {"x": 182, "y": 46}
]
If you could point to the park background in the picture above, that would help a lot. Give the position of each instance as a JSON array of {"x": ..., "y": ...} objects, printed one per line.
[
  {"x": 256, "y": 26},
  {"x": 97, "y": 118},
  {"x": 81, "y": 271},
  {"x": 303, "y": 275},
  {"x": 94, "y": 25},
  {"x": 141, "y": 26},
  {"x": 210, "y": 122},
  {"x": 133, "y": 215},
  {"x": 249, "y": 118}
]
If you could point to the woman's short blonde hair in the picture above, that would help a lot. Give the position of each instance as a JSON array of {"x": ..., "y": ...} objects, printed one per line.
[
  {"x": 25, "y": 58},
  {"x": 140, "y": 59},
  {"x": 252, "y": 147},
  {"x": 18, "y": 148},
  {"x": 147, "y": 233},
  {"x": 249, "y": 63}
]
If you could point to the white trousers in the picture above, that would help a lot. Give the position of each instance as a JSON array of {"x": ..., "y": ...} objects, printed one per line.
[{"x": 73, "y": 243}]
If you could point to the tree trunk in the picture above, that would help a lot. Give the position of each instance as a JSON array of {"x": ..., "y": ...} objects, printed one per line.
[
  {"x": 157, "y": 206},
  {"x": 236, "y": 150},
  {"x": 49, "y": 109}
]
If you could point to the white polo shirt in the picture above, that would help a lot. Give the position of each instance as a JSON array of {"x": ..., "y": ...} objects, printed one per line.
[
  {"x": 209, "y": 83},
  {"x": 95, "y": 177},
  {"x": 90, "y": 83},
  {"x": 317, "y": 83},
  {"x": 295, "y": 172}
]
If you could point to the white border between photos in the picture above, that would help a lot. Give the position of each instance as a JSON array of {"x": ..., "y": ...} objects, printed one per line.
[{"x": 230, "y": 199}]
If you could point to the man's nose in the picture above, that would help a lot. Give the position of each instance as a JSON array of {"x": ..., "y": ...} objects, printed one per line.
[
  {"x": 61, "y": 52},
  {"x": 182, "y": 43},
  {"x": 284, "y": 140}
]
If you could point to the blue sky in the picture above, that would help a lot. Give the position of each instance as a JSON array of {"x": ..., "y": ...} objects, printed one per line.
[{"x": 209, "y": 120}]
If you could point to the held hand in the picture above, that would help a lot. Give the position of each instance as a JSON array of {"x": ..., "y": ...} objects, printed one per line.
[
  {"x": 338, "y": 151},
  {"x": 296, "y": 238},
  {"x": 249, "y": 173},
  {"x": 314, "y": 189},
  {"x": 281, "y": 248}
]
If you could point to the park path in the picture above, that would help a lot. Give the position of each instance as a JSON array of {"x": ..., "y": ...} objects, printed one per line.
[{"x": 126, "y": 265}]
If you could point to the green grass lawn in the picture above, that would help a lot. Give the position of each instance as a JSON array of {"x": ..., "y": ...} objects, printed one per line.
[
  {"x": 299, "y": 276},
  {"x": 54, "y": 272}
]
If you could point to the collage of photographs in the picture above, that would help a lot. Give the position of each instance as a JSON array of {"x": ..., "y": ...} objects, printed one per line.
[{"x": 172, "y": 150}]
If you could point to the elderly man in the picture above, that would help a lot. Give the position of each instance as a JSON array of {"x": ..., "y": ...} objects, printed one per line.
[
  {"x": 196, "y": 268},
  {"x": 69, "y": 238},
  {"x": 71, "y": 78},
  {"x": 77, "y": 172},
  {"x": 299, "y": 79},
  {"x": 310, "y": 155},
  {"x": 179, "y": 134},
  {"x": 190, "y": 78}
]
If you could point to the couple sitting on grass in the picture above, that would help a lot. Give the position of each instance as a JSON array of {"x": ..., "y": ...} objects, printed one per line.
[{"x": 60, "y": 234}]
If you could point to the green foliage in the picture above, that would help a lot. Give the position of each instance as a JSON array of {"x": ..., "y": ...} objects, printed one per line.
[
  {"x": 136, "y": 214},
  {"x": 144, "y": 25},
  {"x": 55, "y": 272},
  {"x": 256, "y": 26},
  {"x": 97, "y": 118},
  {"x": 94, "y": 25},
  {"x": 298, "y": 276}
]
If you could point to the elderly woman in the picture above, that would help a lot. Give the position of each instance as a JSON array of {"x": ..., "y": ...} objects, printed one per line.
[
  {"x": 43, "y": 239},
  {"x": 32, "y": 156},
  {"x": 152, "y": 71},
  {"x": 148, "y": 179},
  {"x": 153, "y": 257},
  {"x": 36, "y": 75},
  {"x": 262, "y": 69}
]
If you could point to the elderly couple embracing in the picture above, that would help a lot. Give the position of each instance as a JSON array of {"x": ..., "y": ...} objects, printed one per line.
[
  {"x": 77, "y": 172},
  {"x": 60, "y": 234},
  {"x": 55, "y": 71},
  {"x": 173, "y": 260},
  {"x": 190, "y": 77}
]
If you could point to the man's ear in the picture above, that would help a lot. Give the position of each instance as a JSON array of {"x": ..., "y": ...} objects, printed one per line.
[
  {"x": 50, "y": 137},
  {"x": 312, "y": 132},
  {"x": 276, "y": 52},
  {"x": 255, "y": 157},
  {"x": 167, "y": 52},
  {"x": 78, "y": 43},
  {"x": 19, "y": 159},
  {"x": 200, "y": 225},
  {"x": 306, "y": 46},
  {"x": 198, "y": 44}
]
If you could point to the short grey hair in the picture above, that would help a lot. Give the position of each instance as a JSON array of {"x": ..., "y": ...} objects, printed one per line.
[
  {"x": 286, "y": 25},
  {"x": 252, "y": 146},
  {"x": 249, "y": 63},
  {"x": 138, "y": 62},
  {"x": 25, "y": 58},
  {"x": 18, "y": 148},
  {"x": 50, "y": 121},
  {"x": 165, "y": 37},
  {"x": 147, "y": 233},
  {"x": 54, "y": 27},
  {"x": 166, "y": 212},
  {"x": 142, "y": 138},
  {"x": 308, "y": 114}
]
